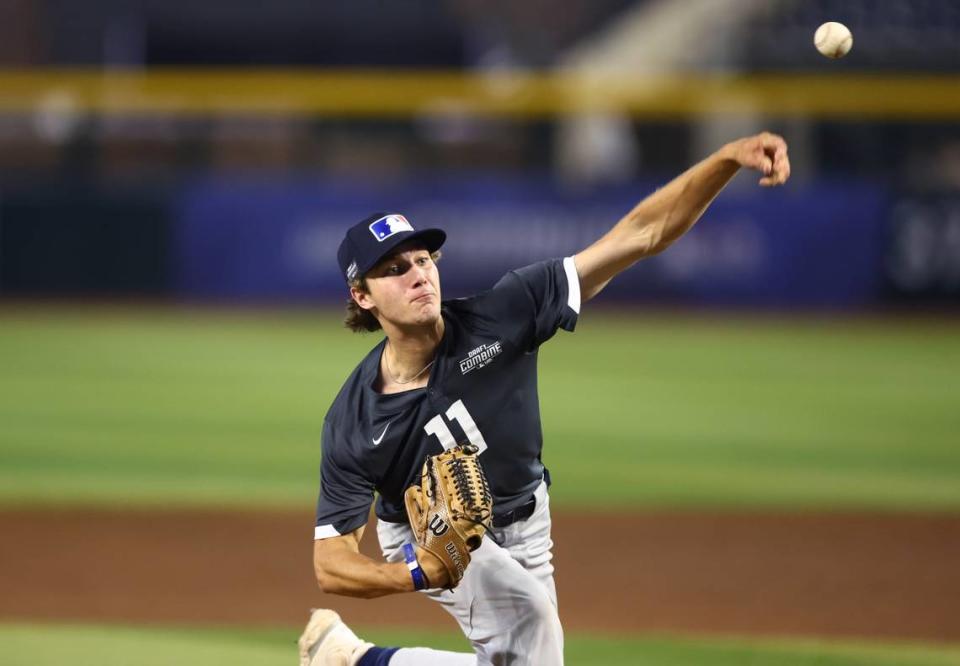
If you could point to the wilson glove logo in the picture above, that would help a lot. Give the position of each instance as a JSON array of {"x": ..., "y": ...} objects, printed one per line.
[
  {"x": 455, "y": 556},
  {"x": 438, "y": 526}
]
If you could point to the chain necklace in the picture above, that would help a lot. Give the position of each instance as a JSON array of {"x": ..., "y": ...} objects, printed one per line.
[{"x": 386, "y": 362}]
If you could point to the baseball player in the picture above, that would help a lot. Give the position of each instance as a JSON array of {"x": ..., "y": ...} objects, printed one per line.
[{"x": 465, "y": 371}]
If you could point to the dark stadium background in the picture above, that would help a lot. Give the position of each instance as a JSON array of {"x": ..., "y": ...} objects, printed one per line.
[{"x": 770, "y": 408}]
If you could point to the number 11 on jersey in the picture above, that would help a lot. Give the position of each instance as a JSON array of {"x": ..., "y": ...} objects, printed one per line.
[{"x": 457, "y": 412}]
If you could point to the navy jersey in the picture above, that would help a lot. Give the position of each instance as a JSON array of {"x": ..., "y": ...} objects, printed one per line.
[{"x": 482, "y": 389}]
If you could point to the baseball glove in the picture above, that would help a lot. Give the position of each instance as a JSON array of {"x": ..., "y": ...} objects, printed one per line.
[{"x": 450, "y": 509}]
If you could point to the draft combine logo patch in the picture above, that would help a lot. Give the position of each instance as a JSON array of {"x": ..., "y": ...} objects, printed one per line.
[
  {"x": 389, "y": 225},
  {"x": 480, "y": 357}
]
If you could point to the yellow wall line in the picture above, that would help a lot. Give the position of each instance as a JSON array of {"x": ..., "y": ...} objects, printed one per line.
[{"x": 406, "y": 93}]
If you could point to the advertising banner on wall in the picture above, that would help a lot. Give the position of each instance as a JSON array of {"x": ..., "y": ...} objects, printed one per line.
[
  {"x": 815, "y": 245},
  {"x": 922, "y": 248}
]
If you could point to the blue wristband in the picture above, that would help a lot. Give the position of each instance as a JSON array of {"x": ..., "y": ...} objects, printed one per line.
[{"x": 410, "y": 556}]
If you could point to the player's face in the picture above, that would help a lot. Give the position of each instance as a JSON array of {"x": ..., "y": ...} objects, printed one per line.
[{"x": 405, "y": 287}]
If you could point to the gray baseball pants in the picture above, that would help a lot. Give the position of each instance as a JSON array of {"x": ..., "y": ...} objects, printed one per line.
[{"x": 506, "y": 604}]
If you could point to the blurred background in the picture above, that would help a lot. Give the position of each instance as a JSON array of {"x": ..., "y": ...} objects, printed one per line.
[
  {"x": 213, "y": 151},
  {"x": 175, "y": 178}
]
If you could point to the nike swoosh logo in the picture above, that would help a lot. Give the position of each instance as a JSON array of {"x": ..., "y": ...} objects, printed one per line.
[{"x": 377, "y": 440}]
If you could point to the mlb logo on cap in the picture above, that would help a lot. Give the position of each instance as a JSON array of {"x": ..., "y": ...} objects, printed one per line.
[
  {"x": 358, "y": 252},
  {"x": 389, "y": 225}
]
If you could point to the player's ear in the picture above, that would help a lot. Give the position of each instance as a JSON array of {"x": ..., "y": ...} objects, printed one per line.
[{"x": 362, "y": 298}]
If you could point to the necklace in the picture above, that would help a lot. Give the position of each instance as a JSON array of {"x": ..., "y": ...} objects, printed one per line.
[{"x": 386, "y": 363}]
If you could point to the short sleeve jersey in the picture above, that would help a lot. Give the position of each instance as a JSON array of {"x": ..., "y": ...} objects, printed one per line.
[{"x": 482, "y": 389}]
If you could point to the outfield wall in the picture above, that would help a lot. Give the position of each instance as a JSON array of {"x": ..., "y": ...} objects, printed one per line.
[
  {"x": 819, "y": 245},
  {"x": 822, "y": 244}
]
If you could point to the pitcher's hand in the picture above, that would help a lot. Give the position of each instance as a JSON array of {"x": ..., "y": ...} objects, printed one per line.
[{"x": 764, "y": 152}]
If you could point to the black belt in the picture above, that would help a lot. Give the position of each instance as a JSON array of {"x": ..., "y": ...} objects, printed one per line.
[{"x": 522, "y": 512}]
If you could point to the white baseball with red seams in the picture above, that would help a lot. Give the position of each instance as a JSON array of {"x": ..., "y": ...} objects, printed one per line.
[{"x": 832, "y": 39}]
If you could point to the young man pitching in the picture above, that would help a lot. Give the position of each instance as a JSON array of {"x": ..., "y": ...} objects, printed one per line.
[{"x": 465, "y": 372}]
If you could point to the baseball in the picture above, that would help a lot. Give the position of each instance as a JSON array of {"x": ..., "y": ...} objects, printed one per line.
[{"x": 833, "y": 39}]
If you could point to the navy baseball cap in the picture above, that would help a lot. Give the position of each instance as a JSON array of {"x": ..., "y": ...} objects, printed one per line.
[{"x": 373, "y": 238}]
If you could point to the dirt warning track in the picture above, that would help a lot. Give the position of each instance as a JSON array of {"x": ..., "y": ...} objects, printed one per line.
[{"x": 853, "y": 575}]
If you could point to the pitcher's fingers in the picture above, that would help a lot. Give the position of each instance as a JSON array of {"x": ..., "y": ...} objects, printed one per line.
[
  {"x": 764, "y": 162},
  {"x": 774, "y": 142},
  {"x": 777, "y": 178},
  {"x": 784, "y": 170}
]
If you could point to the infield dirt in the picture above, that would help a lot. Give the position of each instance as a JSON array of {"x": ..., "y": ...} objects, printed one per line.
[{"x": 866, "y": 575}]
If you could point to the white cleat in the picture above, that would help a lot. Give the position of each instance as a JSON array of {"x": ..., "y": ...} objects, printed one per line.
[{"x": 327, "y": 641}]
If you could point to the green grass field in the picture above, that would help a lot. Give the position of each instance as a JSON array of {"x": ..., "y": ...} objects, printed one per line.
[
  {"x": 190, "y": 408},
  {"x": 26, "y": 645}
]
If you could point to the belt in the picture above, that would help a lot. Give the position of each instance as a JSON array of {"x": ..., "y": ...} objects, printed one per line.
[{"x": 522, "y": 512}]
